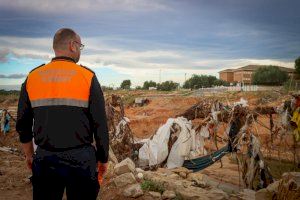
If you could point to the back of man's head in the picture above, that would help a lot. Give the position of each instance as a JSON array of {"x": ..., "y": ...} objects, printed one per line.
[
  {"x": 62, "y": 37},
  {"x": 67, "y": 42}
]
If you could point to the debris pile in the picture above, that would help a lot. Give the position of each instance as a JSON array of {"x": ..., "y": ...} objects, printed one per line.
[
  {"x": 199, "y": 110},
  {"x": 119, "y": 131},
  {"x": 180, "y": 143},
  {"x": 141, "y": 101},
  {"x": 120, "y": 134}
]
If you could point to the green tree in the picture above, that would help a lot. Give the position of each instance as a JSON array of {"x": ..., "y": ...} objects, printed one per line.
[
  {"x": 167, "y": 86},
  {"x": 297, "y": 65},
  {"x": 199, "y": 81},
  {"x": 126, "y": 84},
  {"x": 148, "y": 84},
  {"x": 270, "y": 75},
  {"x": 220, "y": 82}
]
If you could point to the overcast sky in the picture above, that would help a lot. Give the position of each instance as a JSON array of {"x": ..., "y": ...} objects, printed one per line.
[{"x": 135, "y": 39}]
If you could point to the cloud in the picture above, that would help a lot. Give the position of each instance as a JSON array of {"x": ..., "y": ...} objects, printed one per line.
[
  {"x": 13, "y": 76},
  {"x": 70, "y": 6},
  {"x": 3, "y": 55},
  {"x": 138, "y": 64},
  {"x": 34, "y": 48}
]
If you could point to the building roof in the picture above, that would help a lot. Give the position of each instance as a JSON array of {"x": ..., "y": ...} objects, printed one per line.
[
  {"x": 227, "y": 70},
  {"x": 255, "y": 67}
]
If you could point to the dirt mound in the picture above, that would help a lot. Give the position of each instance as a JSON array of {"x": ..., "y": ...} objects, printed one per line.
[{"x": 144, "y": 121}]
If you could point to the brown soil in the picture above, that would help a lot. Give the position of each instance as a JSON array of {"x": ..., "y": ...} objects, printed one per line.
[{"x": 144, "y": 123}]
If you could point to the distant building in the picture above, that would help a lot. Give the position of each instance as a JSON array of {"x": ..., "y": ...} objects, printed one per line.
[
  {"x": 152, "y": 88},
  {"x": 227, "y": 75},
  {"x": 244, "y": 74}
]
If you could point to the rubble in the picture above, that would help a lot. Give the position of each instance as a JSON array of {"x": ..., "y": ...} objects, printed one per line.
[
  {"x": 198, "y": 179},
  {"x": 168, "y": 194},
  {"x": 185, "y": 188},
  {"x": 125, "y": 166},
  {"x": 179, "y": 170},
  {"x": 263, "y": 194},
  {"x": 191, "y": 193},
  {"x": 247, "y": 194},
  {"x": 133, "y": 191},
  {"x": 155, "y": 195},
  {"x": 124, "y": 179},
  {"x": 217, "y": 194},
  {"x": 139, "y": 170}
]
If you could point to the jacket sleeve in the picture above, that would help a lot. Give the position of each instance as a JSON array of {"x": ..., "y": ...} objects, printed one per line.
[
  {"x": 24, "y": 116},
  {"x": 97, "y": 111}
]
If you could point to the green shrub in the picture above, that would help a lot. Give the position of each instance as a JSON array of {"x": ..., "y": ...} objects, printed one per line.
[
  {"x": 269, "y": 75},
  {"x": 167, "y": 86},
  {"x": 149, "y": 185},
  {"x": 199, "y": 81}
]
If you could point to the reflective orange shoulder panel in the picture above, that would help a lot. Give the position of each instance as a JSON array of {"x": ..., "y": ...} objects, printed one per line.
[{"x": 59, "y": 83}]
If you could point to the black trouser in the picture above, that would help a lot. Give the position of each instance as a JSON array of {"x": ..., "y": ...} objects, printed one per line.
[{"x": 73, "y": 169}]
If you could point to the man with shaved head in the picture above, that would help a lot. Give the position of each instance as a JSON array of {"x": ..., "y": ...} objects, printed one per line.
[
  {"x": 65, "y": 43},
  {"x": 62, "y": 107}
]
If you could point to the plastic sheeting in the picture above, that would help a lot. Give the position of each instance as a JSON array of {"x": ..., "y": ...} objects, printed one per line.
[
  {"x": 198, "y": 143},
  {"x": 121, "y": 125},
  {"x": 242, "y": 102},
  {"x": 285, "y": 118},
  {"x": 188, "y": 143}
]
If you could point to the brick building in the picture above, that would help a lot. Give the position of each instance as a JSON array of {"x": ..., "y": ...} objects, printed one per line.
[{"x": 244, "y": 74}]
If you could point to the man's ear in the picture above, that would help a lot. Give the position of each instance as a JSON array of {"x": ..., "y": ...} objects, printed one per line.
[{"x": 72, "y": 47}]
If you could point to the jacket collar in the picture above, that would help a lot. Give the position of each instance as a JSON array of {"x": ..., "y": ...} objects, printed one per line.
[{"x": 63, "y": 58}]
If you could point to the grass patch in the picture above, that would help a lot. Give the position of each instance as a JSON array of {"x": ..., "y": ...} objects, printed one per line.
[{"x": 149, "y": 185}]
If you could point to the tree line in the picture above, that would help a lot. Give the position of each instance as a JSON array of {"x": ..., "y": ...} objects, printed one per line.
[
  {"x": 195, "y": 82},
  {"x": 268, "y": 75}
]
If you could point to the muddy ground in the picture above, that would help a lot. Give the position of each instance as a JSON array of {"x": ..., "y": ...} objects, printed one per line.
[{"x": 145, "y": 121}]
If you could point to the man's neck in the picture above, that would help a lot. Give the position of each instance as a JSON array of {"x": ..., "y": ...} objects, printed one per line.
[{"x": 64, "y": 55}]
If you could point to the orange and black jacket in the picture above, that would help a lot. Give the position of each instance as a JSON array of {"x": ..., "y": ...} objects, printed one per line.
[{"x": 62, "y": 106}]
